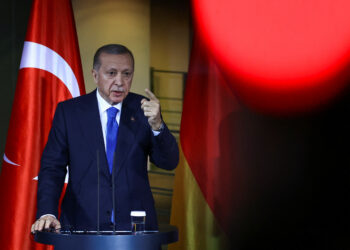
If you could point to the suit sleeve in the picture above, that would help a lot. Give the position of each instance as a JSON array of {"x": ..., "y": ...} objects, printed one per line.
[
  {"x": 54, "y": 161},
  {"x": 165, "y": 151}
]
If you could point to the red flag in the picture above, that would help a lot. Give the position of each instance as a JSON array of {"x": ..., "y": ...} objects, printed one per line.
[{"x": 50, "y": 72}]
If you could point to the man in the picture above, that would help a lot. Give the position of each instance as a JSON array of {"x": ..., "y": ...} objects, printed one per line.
[{"x": 111, "y": 130}]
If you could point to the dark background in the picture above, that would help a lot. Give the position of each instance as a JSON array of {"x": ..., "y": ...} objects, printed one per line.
[{"x": 296, "y": 177}]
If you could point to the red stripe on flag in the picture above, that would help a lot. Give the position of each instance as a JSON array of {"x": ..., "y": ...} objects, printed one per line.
[{"x": 208, "y": 132}]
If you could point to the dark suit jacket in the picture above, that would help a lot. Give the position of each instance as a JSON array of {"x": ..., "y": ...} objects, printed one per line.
[{"x": 76, "y": 140}]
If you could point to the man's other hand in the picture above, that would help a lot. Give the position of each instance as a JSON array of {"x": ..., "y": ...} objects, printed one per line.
[
  {"x": 151, "y": 109},
  {"x": 46, "y": 222}
]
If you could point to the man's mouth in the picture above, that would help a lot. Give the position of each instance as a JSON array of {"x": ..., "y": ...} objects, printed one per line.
[{"x": 117, "y": 92}]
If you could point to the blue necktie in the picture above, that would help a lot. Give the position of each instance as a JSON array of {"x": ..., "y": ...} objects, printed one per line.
[{"x": 111, "y": 137}]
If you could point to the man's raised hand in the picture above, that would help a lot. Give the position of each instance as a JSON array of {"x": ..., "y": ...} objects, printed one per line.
[{"x": 151, "y": 109}]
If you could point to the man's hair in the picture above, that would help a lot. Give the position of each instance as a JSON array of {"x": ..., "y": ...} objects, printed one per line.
[{"x": 114, "y": 49}]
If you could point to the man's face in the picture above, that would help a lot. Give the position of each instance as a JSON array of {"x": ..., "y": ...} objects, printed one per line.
[{"x": 114, "y": 77}]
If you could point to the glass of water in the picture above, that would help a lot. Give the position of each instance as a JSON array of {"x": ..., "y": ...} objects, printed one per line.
[{"x": 138, "y": 219}]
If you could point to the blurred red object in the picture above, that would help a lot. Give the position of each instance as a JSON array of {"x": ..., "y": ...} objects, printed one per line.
[{"x": 279, "y": 56}]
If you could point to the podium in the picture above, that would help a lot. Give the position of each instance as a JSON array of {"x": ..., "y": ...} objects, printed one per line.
[{"x": 107, "y": 240}]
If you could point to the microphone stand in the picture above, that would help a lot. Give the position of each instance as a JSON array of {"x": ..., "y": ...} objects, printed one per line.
[
  {"x": 98, "y": 190},
  {"x": 113, "y": 192}
]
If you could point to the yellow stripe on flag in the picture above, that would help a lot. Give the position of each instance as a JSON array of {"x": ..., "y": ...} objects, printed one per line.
[{"x": 197, "y": 226}]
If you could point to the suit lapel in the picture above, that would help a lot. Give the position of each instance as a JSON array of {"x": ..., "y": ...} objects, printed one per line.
[{"x": 89, "y": 117}]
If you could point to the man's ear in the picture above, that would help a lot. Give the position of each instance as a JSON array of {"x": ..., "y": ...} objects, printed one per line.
[{"x": 94, "y": 75}]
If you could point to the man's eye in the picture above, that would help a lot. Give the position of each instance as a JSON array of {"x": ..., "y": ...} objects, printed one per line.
[
  {"x": 127, "y": 73},
  {"x": 111, "y": 73}
]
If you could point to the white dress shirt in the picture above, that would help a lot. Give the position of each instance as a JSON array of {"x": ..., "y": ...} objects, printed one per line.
[{"x": 103, "y": 105}]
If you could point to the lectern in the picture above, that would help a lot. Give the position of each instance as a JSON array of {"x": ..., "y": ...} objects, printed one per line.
[{"x": 107, "y": 240}]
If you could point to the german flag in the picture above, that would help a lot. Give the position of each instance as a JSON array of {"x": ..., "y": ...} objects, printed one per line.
[{"x": 206, "y": 180}]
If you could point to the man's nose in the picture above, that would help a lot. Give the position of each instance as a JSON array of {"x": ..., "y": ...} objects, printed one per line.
[{"x": 118, "y": 80}]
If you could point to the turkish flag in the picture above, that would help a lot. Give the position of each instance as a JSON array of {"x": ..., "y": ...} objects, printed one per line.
[{"x": 50, "y": 72}]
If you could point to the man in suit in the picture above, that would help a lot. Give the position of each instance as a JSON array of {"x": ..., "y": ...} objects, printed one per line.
[{"x": 110, "y": 131}]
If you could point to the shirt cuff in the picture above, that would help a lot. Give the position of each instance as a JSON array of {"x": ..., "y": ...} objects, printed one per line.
[
  {"x": 48, "y": 214},
  {"x": 157, "y": 132}
]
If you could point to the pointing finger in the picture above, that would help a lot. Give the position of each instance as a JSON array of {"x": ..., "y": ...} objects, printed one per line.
[{"x": 151, "y": 95}]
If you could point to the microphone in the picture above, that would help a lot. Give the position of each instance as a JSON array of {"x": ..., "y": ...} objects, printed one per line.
[{"x": 98, "y": 190}]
